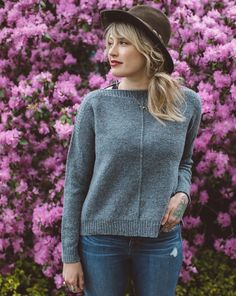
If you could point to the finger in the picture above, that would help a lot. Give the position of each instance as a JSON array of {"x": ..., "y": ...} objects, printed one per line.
[
  {"x": 73, "y": 288},
  {"x": 166, "y": 216},
  {"x": 81, "y": 281},
  {"x": 71, "y": 284},
  {"x": 171, "y": 220}
]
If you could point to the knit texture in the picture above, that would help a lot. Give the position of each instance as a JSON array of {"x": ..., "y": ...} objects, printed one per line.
[{"x": 123, "y": 166}]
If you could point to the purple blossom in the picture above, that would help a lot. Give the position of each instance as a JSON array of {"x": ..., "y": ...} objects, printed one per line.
[
  {"x": 224, "y": 219},
  {"x": 22, "y": 187},
  {"x": 43, "y": 248},
  {"x": 95, "y": 80},
  {"x": 226, "y": 193},
  {"x": 58, "y": 279},
  {"x": 43, "y": 128},
  {"x": 191, "y": 222},
  {"x": 232, "y": 208},
  {"x": 18, "y": 245},
  {"x": 48, "y": 271},
  {"x": 204, "y": 197},
  {"x": 65, "y": 90},
  {"x": 69, "y": 60},
  {"x": 221, "y": 80},
  {"x": 199, "y": 239},
  {"x": 3, "y": 201},
  {"x": 63, "y": 130},
  {"x": 219, "y": 245},
  {"x": 230, "y": 248}
]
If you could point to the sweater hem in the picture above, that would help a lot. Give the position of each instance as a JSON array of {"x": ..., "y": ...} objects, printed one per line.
[{"x": 144, "y": 228}]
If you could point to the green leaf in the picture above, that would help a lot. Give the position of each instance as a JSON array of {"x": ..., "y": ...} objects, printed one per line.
[
  {"x": 2, "y": 93},
  {"x": 85, "y": 27},
  {"x": 47, "y": 36},
  {"x": 24, "y": 142},
  {"x": 42, "y": 4}
]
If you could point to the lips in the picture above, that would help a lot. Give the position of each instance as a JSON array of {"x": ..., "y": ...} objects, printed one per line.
[{"x": 115, "y": 63}]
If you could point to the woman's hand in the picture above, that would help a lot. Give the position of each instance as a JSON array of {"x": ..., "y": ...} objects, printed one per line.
[
  {"x": 73, "y": 276},
  {"x": 175, "y": 211}
]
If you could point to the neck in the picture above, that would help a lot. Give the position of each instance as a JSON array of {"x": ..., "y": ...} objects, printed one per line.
[{"x": 123, "y": 85}]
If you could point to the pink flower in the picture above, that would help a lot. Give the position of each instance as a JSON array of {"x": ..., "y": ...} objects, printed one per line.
[
  {"x": 22, "y": 187},
  {"x": 230, "y": 248},
  {"x": 232, "y": 209},
  {"x": 224, "y": 219},
  {"x": 18, "y": 245},
  {"x": 199, "y": 239},
  {"x": 43, "y": 128},
  {"x": 219, "y": 245},
  {"x": 63, "y": 130},
  {"x": 191, "y": 222},
  {"x": 43, "y": 249},
  {"x": 69, "y": 60},
  {"x": 95, "y": 80},
  {"x": 202, "y": 167},
  {"x": 233, "y": 90},
  {"x": 226, "y": 193},
  {"x": 190, "y": 48},
  {"x": 48, "y": 271},
  {"x": 57, "y": 253},
  {"x": 185, "y": 276},
  {"x": 10, "y": 137},
  {"x": 204, "y": 197},
  {"x": 221, "y": 80},
  {"x": 58, "y": 280}
]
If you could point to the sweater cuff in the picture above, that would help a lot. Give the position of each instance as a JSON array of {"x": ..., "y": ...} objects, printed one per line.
[{"x": 70, "y": 258}]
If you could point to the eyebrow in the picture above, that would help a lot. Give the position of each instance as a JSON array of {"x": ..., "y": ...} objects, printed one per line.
[{"x": 117, "y": 38}]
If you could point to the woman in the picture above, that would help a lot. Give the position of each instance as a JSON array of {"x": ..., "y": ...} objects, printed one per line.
[{"x": 128, "y": 171}]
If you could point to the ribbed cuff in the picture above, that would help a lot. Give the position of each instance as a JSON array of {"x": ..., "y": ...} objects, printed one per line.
[{"x": 70, "y": 258}]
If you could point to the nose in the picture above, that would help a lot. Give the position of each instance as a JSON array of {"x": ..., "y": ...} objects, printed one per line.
[{"x": 113, "y": 50}]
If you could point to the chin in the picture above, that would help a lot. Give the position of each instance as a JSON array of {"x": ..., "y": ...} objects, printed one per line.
[{"x": 117, "y": 74}]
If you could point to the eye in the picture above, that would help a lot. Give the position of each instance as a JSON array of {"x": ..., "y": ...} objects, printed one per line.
[{"x": 121, "y": 42}]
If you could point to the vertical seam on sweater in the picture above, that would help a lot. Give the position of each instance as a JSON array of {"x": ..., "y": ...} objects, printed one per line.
[{"x": 141, "y": 157}]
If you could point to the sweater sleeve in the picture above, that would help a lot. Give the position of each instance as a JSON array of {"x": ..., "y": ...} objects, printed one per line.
[
  {"x": 79, "y": 169},
  {"x": 185, "y": 167}
]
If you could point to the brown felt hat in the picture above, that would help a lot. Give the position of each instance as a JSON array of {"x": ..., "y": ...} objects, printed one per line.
[{"x": 148, "y": 19}]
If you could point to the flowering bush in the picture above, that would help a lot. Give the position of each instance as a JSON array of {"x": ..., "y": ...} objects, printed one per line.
[{"x": 51, "y": 56}]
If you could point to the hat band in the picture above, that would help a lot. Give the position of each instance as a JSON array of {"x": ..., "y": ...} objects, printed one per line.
[{"x": 153, "y": 30}]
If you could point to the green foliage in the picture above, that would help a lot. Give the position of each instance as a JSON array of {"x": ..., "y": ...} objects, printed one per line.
[
  {"x": 25, "y": 279},
  {"x": 216, "y": 276}
]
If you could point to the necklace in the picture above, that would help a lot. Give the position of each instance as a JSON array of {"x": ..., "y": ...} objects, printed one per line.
[{"x": 115, "y": 86}]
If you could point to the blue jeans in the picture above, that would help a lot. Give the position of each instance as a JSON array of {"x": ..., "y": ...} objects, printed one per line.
[{"x": 154, "y": 263}]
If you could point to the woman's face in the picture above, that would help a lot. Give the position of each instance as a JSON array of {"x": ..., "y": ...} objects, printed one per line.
[{"x": 132, "y": 62}]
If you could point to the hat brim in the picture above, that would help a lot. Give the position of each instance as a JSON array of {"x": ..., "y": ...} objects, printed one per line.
[{"x": 110, "y": 16}]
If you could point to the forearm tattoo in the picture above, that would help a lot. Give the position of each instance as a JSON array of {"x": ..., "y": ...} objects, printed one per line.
[{"x": 179, "y": 211}]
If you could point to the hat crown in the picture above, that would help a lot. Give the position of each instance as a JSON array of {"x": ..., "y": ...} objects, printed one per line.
[{"x": 155, "y": 19}]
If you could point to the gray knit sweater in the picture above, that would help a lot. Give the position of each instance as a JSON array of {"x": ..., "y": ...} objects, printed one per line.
[{"x": 123, "y": 166}]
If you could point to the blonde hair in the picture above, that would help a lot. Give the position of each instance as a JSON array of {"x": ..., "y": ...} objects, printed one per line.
[{"x": 164, "y": 91}]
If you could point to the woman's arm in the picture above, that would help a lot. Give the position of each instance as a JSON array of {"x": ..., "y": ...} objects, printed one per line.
[
  {"x": 185, "y": 167},
  {"x": 181, "y": 197},
  {"x": 79, "y": 170}
]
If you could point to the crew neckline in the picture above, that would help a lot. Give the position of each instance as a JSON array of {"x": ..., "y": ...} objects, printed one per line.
[
  {"x": 114, "y": 91},
  {"x": 140, "y": 93}
]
